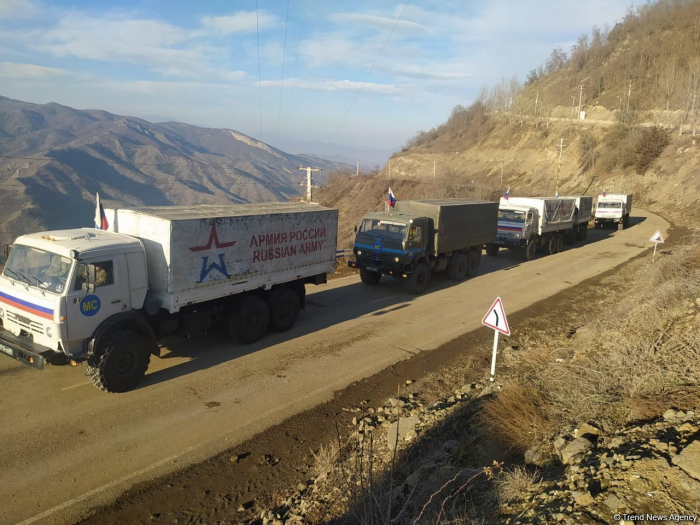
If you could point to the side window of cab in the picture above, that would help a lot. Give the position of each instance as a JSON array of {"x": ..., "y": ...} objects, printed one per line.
[
  {"x": 415, "y": 234},
  {"x": 104, "y": 274}
]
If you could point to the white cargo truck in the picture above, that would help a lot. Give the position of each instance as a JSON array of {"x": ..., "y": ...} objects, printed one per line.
[
  {"x": 108, "y": 297},
  {"x": 613, "y": 209},
  {"x": 582, "y": 216},
  {"x": 530, "y": 222}
]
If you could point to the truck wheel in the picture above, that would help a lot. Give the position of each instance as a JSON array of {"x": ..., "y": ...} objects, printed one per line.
[
  {"x": 473, "y": 263},
  {"x": 249, "y": 321},
  {"x": 571, "y": 236},
  {"x": 457, "y": 270},
  {"x": 120, "y": 362},
  {"x": 530, "y": 250},
  {"x": 370, "y": 278},
  {"x": 598, "y": 226},
  {"x": 584, "y": 233},
  {"x": 284, "y": 309},
  {"x": 552, "y": 245},
  {"x": 560, "y": 242},
  {"x": 419, "y": 280},
  {"x": 621, "y": 225},
  {"x": 492, "y": 250}
]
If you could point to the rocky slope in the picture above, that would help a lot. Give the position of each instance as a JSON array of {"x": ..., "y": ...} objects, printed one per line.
[{"x": 54, "y": 158}]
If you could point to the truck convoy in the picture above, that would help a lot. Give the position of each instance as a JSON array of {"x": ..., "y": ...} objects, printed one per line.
[
  {"x": 107, "y": 297},
  {"x": 528, "y": 222},
  {"x": 418, "y": 237},
  {"x": 613, "y": 210}
]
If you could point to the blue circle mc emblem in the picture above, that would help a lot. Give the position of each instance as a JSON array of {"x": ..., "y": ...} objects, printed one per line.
[{"x": 90, "y": 305}]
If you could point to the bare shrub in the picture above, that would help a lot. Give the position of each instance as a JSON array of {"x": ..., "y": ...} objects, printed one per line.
[
  {"x": 518, "y": 415},
  {"x": 325, "y": 458},
  {"x": 513, "y": 483},
  {"x": 587, "y": 154},
  {"x": 651, "y": 142}
]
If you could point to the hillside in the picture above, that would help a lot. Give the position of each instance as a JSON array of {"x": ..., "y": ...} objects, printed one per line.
[
  {"x": 640, "y": 149},
  {"x": 54, "y": 158}
]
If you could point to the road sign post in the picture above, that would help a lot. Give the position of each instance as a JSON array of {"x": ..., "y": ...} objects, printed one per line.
[
  {"x": 496, "y": 319},
  {"x": 657, "y": 239}
]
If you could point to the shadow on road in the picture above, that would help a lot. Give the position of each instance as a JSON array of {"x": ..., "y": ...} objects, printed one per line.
[{"x": 330, "y": 307}]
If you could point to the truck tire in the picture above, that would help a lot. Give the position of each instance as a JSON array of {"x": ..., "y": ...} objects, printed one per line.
[
  {"x": 120, "y": 361},
  {"x": 560, "y": 242},
  {"x": 418, "y": 281},
  {"x": 584, "y": 233},
  {"x": 530, "y": 250},
  {"x": 621, "y": 225},
  {"x": 370, "y": 278},
  {"x": 598, "y": 225},
  {"x": 492, "y": 250},
  {"x": 552, "y": 244},
  {"x": 249, "y": 320},
  {"x": 284, "y": 309},
  {"x": 457, "y": 270},
  {"x": 473, "y": 263},
  {"x": 571, "y": 236}
]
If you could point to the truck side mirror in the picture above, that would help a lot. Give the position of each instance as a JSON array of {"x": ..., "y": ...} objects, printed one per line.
[
  {"x": 88, "y": 288},
  {"x": 89, "y": 284},
  {"x": 356, "y": 228}
]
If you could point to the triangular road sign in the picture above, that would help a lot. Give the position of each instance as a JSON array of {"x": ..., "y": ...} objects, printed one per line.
[
  {"x": 657, "y": 237},
  {"x": 496, "y": 317}
]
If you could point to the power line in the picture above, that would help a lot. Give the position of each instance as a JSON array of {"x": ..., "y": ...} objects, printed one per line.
[
  {"x": 370, "y": 70},
  {"x": 257, "y": 32},
  {"x": 284, "y": 56}
]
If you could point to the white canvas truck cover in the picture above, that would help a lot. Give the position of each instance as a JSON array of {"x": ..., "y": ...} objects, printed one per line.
[
  {"x": 555, "y": 213},
  {"x": 203, "y": 252}
]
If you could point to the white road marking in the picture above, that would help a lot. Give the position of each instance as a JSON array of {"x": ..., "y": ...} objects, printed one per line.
[{"x": 75, "y": 386}]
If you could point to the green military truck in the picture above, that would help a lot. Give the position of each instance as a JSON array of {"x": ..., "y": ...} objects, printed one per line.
[{"x": 420, "y": 237}]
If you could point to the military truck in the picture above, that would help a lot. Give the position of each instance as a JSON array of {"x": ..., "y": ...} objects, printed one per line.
[
  {"x": 420, "y": 237},
  {"x": 107, "y": 297},
  {"x": 613, "y": 210},
  {"x": 526, "y": 223}
]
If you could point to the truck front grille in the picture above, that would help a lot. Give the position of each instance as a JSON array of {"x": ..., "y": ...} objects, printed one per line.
[
  {"x": 374, "y": 257},
  {"x": 25, "y": 323}
]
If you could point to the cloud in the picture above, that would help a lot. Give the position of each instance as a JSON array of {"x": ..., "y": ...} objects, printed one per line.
[
  {"x": 241, "y": 22},
  {"x": 16, "y": 70},
  {"x": 17, "y": 9},
  {"x": 380, "y": 23},
  {"x": 334, "y": 85},
  {"x": 159, "y": 46}
]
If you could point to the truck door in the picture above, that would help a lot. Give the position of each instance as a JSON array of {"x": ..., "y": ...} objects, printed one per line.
[{"x": 85, "y": 311}]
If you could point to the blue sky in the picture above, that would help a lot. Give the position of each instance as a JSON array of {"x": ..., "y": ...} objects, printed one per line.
[{"x": 197, "y": 62}]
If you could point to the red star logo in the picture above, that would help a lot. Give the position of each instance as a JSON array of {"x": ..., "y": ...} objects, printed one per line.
[{"x": 213, "y": 239}]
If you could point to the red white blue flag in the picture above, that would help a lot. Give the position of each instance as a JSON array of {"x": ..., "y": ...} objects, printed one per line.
[
  {"x": 391, "y": 200},
  {"x": 507, "y": 194},
  {"x": 100, "y": 217},
  {"x": 605, "y": 193}
]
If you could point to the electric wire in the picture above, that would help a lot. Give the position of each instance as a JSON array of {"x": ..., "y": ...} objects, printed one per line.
[
  {"x": 370, "y": 70},
  {"x": 284, "y": 56},
  {"x": 257, "y": 32}
]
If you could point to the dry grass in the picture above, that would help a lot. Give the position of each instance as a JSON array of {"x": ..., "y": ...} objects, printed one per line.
[
  {"x": 642, "y": 357},
  {"x": 514, "y": 483},
  {"x": 325, "y": 459}
]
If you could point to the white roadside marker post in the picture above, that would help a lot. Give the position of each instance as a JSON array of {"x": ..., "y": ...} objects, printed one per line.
[
  {"x": 657, "y": 239},
  {"x": 496, "y": 319}
]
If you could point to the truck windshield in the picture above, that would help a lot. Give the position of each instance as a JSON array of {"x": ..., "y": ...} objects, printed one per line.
[
  {"x": 609, "y": 205},
  {"x": 388, "y": 229},
  {"x": 511, "y": 216},
  {"x": 38, "y": 268}
]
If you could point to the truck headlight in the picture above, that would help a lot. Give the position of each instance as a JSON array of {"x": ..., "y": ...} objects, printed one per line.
[
  {"x": 2, "y": 313},
  {"x": 359, "y": 252},
  {"x": 396, "y": 259},
  {"x": 49, "y": 332}
]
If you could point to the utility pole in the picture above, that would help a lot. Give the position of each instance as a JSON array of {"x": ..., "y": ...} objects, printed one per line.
[
  {"x": 357, "y": 169},
  {"x": 308, "y": 180},
  {"x": 580, "y": 96},
  {"x": 561, "y": 149},
  {"x": 501, "y": 173},
  {"x": 619, "y": 105},
  {"x": 629, "y": 94},
  {"x": 573, "y": 105}
]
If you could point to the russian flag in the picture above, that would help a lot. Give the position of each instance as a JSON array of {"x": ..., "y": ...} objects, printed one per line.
[
  {"x": 507, "y": 194},
  {"x": 391, "y": 200},
  {"x": 100, "y": 217},
  {"x": 605, "y": 193},
  {"x": 556, "y": 195}
]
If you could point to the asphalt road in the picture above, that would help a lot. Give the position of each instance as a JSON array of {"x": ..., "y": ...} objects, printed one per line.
[{"x": 66, "y": 447}]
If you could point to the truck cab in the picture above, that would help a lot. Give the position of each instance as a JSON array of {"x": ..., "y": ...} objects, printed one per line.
[
  {"x": 390, "y": 243},
  {"x": 58, "y": 288},
  {"x": 613, "y": 210},
  {"x": 516, "y": 224}
]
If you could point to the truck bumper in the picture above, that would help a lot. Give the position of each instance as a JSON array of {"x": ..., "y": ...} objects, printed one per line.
[
  {"x": 608, "y": 220},
  {"x": 510, "y": 242},
  {"x": 23, "y": 350},
  {"x": 379, "y": 267}
]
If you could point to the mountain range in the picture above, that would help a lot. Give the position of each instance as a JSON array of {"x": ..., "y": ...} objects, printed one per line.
[{"x": 53, "y": 159}]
